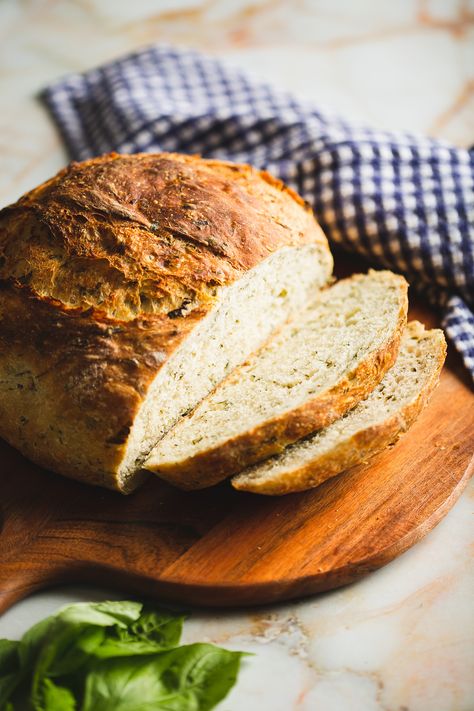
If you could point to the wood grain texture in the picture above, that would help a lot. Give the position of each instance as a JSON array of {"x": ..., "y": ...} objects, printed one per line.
[{"x": 222, "y": 547}]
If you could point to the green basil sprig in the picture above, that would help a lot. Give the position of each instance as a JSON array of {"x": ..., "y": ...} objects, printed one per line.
[{"x": 113, "y": 656}]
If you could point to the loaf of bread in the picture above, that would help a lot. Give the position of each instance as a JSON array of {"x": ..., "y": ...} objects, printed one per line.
[
  {"x": 370, "y": 427},
  {"x": 320, "y": 364},
  {"x": 130, "y": 286}
]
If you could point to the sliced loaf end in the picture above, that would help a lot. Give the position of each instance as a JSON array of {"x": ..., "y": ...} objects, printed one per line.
[
  {"x": 317, "y": 367},
  {"x": 370, "y": 427},
  {"x": 244, "y": 316}
]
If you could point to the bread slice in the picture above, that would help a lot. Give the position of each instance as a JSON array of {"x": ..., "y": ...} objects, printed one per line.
[
  {"x": 307, "y": 376},
  {"x": 372, "y": 425},
  {"x": 130, "y": 285}
]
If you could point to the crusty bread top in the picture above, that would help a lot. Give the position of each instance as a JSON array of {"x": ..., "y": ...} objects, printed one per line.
[
  {"x": 134, "y": 235},
  {"x": 104, "y": 271}
]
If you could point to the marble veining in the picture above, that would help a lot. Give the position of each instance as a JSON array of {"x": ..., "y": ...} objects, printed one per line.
[{"x": 402, "y": 639}]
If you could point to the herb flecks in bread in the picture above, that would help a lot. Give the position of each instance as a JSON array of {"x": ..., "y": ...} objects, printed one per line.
[
  {"x": 129, "y": 287},
  {"x": 370, "y": 427},
  {"x": 319, "y": 365}
]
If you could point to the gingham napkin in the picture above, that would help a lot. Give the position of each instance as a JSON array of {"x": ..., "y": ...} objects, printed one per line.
[{"x": 404, "y": 201}]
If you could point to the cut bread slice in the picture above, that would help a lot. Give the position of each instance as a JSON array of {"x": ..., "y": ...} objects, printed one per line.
[
  {"x": 372, "y": 425},
  {"x": 315, "y": 369},
  {"x": 130, "y": 286},
  {"x": 276, "y": 288}
]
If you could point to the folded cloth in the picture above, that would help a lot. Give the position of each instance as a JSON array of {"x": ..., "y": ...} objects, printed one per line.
[{"x": 404, "y": 201}]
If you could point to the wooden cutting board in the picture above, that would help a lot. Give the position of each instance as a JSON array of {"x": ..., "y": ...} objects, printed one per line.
[{"x": 221, "y": 547}]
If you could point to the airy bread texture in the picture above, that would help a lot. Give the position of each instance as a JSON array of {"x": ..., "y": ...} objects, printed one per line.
[
  {"x": 129, "y": 287},
  {"x": 370, "y": 427},
  {"x": 316, "y": 368}
]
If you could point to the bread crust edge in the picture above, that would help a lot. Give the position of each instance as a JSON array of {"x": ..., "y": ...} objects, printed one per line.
[
  {"x": 363, "y": 445},
  {"x": 121, "y": 369},
  {"x": 270, "y": 438}
]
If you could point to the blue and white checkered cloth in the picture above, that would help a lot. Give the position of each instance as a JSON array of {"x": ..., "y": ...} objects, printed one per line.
[{"x": 404, "y": 201}]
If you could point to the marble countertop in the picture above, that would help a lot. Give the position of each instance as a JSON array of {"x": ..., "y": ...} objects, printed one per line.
[{"x": 403, "y": 638}]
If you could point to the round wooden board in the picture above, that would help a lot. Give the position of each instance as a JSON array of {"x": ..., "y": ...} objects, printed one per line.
[{"x": 221, "y": 547}]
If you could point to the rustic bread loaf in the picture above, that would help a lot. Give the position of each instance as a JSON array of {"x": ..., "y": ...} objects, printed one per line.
[
  {"x": 129, "y": 287},
  {"x": 372, "y": 425},
  {"x": 318, "y": 366}
]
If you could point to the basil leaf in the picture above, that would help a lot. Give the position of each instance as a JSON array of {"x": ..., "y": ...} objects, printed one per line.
[
  {"x": 158, "y": 627},
  {"x": 154, "y": 631},
  {"x": 31, "y": 641},
  {"x": 190, "y": 678},
  {"x": 9, "y": 669},
  {"x": 112, "y": 656},
  {"x": 9, "y": 660},
  {"x": 102, "y": 614},
  {"x": 8, "y": 684},
  {"x": 74, "y": 648},
  {"x": 72, "y": 635},
  {"x": 57, "y": 698}
]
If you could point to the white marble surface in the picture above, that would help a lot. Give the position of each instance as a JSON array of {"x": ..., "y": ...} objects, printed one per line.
[{"x": 403, "y": 638}]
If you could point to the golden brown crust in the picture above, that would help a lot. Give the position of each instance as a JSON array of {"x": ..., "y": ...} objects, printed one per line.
[
  {"x": 104, "y": 271},
  {"x": 71, "y": 384},
  {"x": 357, "y": 449},
  {"x": 271, "y": 437},
  {"x": 138, "y": 235}
]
